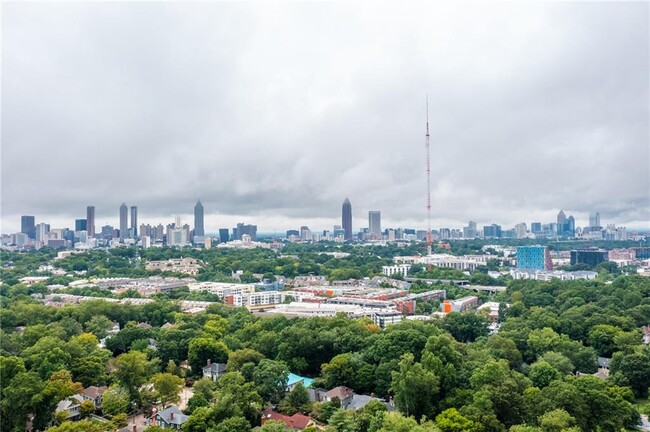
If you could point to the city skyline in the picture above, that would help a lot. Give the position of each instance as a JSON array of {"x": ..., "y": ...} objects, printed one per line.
[
  {"x": 533, "y": 224},
  {"x": 534, "y": 107}
]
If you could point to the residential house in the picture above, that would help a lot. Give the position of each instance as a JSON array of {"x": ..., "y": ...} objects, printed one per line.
[
  {"x": 170, "y": 418},
  {"x": 94, "y": 394},
  {"x": 296, "y": 422},
  {"x": 294, "y": 379},
  {"x": 214, "y": 371},
  {"x": 72, "y": 405}
]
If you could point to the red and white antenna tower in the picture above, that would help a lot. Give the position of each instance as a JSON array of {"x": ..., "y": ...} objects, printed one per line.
[{"x": 428, "y": 190}]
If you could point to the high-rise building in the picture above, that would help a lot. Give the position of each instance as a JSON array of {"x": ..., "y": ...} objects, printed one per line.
[
  {"x": 80, "y": 225},
  {"x": 90, "y": 221},
  {"x": 346, "y": 219},
  {"x": 305, "y": 233},
  {"x": 224, "y": 236},
  {"x": 534, "y": 258},
  {"x": 591, "y": 257},
  {"x": 536, "y": 227},
  {"x": 124, "y": 221},
  {"x": 374, "y": 223},
  {"x": 242, "y": 229},
  {"x": 521, "y": 230},
  {"x": 470, "y": 230},
  {"x": 134, "y": 221},
  {"x": 198, "y": 219},
  {"x": 492, "y": 231},
  {"x": 28, "y": 226},
  {"x": 594, "y": 220}
]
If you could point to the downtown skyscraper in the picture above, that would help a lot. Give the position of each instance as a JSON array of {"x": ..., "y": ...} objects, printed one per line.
[
  {"x": 374, "y": 222},
  {"x": 134, "y": 221},
  {"x": 199, "y": 231},
  {"x": 124, "y": 221},
  {"x": 346, "y": 219},
  {"x": 90, "y": 221}
]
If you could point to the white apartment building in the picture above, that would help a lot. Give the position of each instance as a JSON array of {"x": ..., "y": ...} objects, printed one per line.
[
  {"x": 401, "y": 269},
  {"x": 254, "y": 299},
  {"x": 222, "y": 289}
]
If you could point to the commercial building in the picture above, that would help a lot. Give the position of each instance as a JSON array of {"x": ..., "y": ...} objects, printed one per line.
[
  {"x": 124, "y": 221},
  {"x": 80, "y": 225},
  {"x": 534, "y": 258},
  {"x": 374, "y": 223},
  {"x": 90, "y": 221},
  {"x": 492, "y": 231},
  {"x": 199, "y": 230},
  {"x": 28, "y": 226},
  {"x": 224, "y": 235},
  {"x": 346, "y": 219},
  {"x": 134, "y": 222},
  {"x": 591, "y": 257}
]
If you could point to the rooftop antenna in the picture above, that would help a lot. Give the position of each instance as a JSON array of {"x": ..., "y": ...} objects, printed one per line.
[{"x": 428, "y": 191}]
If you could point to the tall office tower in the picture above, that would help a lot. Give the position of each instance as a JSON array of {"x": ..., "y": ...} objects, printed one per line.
[
  {"x": 570, "y": 226},
  {"x": 224, "y": 236},
  {"x": 374, "y": 222},
  {"x": 561, "y": 220},
  {"x": 80, "y": 225},
  {"x": 28, "y": 226},
  {"x": 243, "y": 229},
  {"x": 198, "y": 219},
  {"x": 346, "y": 222},
  {"x": 305, "y": 233},
  {"x": 42, "y": 231},
  {"x": 124, "y": 221},
  {"x": 594, "y": 220},
  {"x": 536, "y": 227},
  {"x": 90, "y": 221},
  {"x": 134, "y": 221},
  {"x": 470, "y": 230}
]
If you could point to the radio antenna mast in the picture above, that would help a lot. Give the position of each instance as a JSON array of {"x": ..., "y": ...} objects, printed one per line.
[{"x": 429, "y": 239}]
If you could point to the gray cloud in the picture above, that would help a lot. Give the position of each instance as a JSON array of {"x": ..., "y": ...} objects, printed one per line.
[{"x": 275, "y": 112}]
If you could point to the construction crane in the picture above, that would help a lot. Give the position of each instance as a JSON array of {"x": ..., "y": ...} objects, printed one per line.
[{"x": 429, "y": 239}]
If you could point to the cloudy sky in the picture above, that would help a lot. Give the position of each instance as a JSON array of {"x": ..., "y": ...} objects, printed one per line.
[{"x": 272, "y": 113}]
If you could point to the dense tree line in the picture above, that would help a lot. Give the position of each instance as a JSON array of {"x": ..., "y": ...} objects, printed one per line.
[{"x": 446, "y": 375}]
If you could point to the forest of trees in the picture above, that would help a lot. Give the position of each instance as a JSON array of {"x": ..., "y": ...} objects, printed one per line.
[{"x": 442, "y": 375}]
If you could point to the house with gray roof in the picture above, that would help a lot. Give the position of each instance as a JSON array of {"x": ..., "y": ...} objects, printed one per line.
[
  {"x": 170, "y": 418},
  {"x": 214, "y": 371}
]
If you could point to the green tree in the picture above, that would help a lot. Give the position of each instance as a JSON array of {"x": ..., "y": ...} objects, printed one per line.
[
  {"x": 632, "y": 369},
  {"x": 274, "y": 426},
  {"x": 415, "y": 388},
  {"x": 80, "y": 426},
  {"x": 466, "y": 327},
  {"x": 232, "y": 424},
  {"x": 86, "y": 408},
  {"x": 542, "y": 374},
  {"x": 202, "y": 350},
  {"x": 451, "y": 420},
  {"x": 132, "y": 370},
  {"x": 296, "y": 401},
  {"x": 270, "y": 379},
  {"x": 115, "y": 400},
  {"x": 342, "y": 421},
  {"x": 556, "y": 421},
  {"x": 167, "y": 387},
  {"x": 238, "y": 358},
  {"x": 206, "y": 387}
]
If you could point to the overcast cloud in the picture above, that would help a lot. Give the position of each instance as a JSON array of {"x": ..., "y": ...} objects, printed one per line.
[{"x": 273, "y": 113}]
